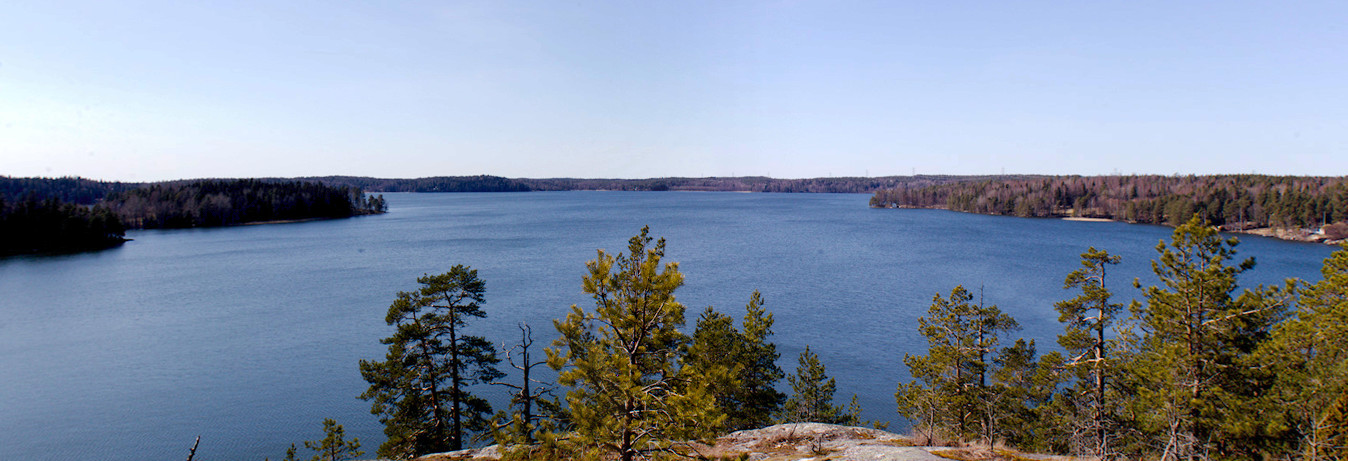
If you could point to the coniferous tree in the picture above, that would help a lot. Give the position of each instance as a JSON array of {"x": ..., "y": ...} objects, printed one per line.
[
  {"x": 1018, "y": 400},
  {"x": 1195, "y": 336},
  {"x": 1331, "y": 439},
  {"x": 631, "y": 395},
  {"x": 1086, "y": 319},
  {"x": 1308, "y": 354},
  {"x": 950, "y": 383},
  {"x": 811, "y": 400},
  {"x": 741, "y": 366},
  {"x": 333, "y": 446},
  {"x": 420, "y": 390}
]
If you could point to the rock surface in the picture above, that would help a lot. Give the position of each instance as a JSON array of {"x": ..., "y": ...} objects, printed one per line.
[{"x": 783, "y": 442}]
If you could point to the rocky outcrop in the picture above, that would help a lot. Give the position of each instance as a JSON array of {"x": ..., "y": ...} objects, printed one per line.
[
  {"x": 801, "y": 441},
  {"x": 783, "y": 442},
  {"x": 1295, "y": 235}
]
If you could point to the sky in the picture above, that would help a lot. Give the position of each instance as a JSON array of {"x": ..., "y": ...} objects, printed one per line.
[{"x": 159, "y": 90}]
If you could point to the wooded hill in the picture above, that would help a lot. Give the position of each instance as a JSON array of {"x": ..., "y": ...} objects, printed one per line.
[
  {"x": 68, "y": 189},
  {"x": 229, "y": 202},
  {"x": 1232, "y": 201},
  {"x": 723, "y": 184},
  {"x": 75, "y": 214},
  {"x": 30, "y": 225}
]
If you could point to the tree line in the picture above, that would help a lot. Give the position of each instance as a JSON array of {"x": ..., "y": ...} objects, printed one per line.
[
  {"x": 1196, "y": 370},
  {"x": 229, "y": 202},
  {"x": 74, "y": 214},
  {"x": 31, "y": 225},
  {"x": 1231, "y": 201},
  {"x": 66, "y": 189},
  {"x": 727, "y": 184}
]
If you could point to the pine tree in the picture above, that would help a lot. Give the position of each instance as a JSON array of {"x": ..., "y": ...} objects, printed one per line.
[
  {"x": 630, "y": 394},
  {"x": 420, "y": 390},
  {"x": 1308, "y": 355},
  {"x": 333, "y": 446},
  {"x": 812, "y": 396},
  {"x": 950, "y": 383},
  {"x": 1087, "y": 317},
  {"x": 1332, "y": 431},
  {"x": 741, "y": 367},
  {"x": 1195, "y": 334},
  {"x": 1018, "y": 399}
]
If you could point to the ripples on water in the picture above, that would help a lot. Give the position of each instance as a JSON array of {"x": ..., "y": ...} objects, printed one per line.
[{"x": 250, "y": 336}]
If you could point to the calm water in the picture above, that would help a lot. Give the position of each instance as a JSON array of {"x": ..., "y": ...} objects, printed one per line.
[{"x": 250, "y": 336}]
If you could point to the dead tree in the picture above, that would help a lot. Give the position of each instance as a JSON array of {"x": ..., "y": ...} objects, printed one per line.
[{"x": 526, "y": 396}]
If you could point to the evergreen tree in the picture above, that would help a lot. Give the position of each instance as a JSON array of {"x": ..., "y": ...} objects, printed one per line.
[
  {"x": 946, "y": 398},
  {"x": 420, "y": 390},
  {"x": 1308, "y": 354},
  {"x": 1195, "y": 335},
  {"x": 741, "y": 367},
  {"x": 1018, "y": 400},
  {"x": 333, "y": 446},
  {"x": 812, "y": 396},
  {"x": 1087, "y": 317},
  {"x": 1332, "y": 431},
  {"x": 630, "y": 394}
]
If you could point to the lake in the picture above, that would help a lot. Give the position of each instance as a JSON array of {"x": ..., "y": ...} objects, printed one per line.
[{"x": 249, "y": 336}]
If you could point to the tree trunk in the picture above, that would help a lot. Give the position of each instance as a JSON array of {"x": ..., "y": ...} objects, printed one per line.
[{"x": 456, "y": 391}]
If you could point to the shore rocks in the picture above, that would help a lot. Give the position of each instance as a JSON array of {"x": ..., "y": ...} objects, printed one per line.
[{"x": 783, "y": 442}]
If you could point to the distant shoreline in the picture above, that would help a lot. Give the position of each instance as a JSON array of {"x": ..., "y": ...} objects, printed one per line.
[
  {"x": 1291, "y": 235},
  {"x": 284, "y": 221}
]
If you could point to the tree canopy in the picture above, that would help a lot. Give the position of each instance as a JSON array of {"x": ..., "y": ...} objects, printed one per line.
[
  {"x": 630, "y": 394},
  {"x": 421, "y": 389}
]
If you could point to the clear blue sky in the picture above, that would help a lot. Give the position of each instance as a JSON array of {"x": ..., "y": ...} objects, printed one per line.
[{"x": 137, "y": 90}]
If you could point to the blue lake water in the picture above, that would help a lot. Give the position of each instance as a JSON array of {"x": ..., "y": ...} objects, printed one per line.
[{"x": 249, "y": 336}]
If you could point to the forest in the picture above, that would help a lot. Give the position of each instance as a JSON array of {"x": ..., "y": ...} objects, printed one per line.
[
  {"x": 1199, "y": 369},
  {"x": 723, "y": 184},
  {"x": 1234, "y": 202},
  {"x": 30, "y": 225},
  {"x": 229, "y": 202},
  {"x": 73, "y": 214}
]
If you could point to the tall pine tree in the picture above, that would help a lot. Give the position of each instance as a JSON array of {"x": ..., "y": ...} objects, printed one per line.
[
  {"x": 421, "y": 389},
  {"x": 1087, "y": 317},
  {"x": 1308, "y": 354},
  {"x": 1196, "y": 334}
]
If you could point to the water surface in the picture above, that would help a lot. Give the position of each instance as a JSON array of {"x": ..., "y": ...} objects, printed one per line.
[{"x": 249, "y": 336}]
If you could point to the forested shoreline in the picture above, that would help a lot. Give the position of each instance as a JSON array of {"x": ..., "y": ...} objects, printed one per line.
[
  {"x": 1233, "y": 202},
  {"x": 1200, "y": 368},
  {"x": 232, "y": 202},
  {"x": 30, "y": 225},
  {"x": 73, "y": 214},
  {"x": 708, "y": 184}
]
